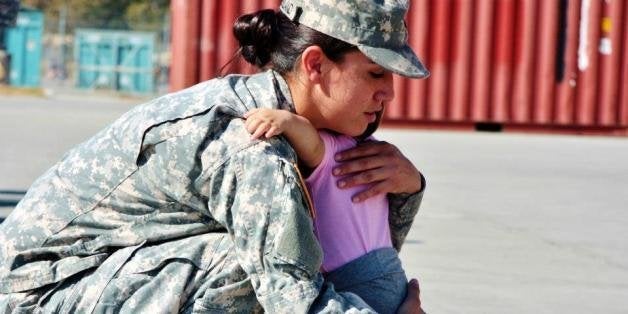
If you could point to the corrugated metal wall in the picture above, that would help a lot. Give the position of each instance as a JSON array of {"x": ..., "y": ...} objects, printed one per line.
[{"x": 552, "y": 65}]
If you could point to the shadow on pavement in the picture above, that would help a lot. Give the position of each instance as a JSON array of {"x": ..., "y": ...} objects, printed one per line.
[
  {"x": 8, "y": 200},
  {"x": 10, "y": 197}
]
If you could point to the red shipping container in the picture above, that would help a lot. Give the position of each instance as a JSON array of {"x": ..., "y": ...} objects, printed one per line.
[{"x": 557, "y": 65}]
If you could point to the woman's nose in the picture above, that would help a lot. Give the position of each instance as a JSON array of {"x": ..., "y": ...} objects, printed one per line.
[{"x": 386, "y": 91}]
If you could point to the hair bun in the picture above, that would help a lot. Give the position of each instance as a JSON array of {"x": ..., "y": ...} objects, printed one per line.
[{"x": 256, "y": 34}]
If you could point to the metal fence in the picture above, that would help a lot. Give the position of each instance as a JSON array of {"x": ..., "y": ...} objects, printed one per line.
[{"x": 116, "y": 60}]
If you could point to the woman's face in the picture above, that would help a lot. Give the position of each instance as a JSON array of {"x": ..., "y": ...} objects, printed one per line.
[{"x": 353, "y": 91}]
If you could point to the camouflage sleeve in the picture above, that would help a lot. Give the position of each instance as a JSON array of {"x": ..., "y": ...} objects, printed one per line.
[
  {"x": 257, "y": 197},
  {"x": 403, "y": 208}
]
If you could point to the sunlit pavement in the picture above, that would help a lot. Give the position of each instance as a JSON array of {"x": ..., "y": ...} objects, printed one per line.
[{"x": 510, "y": 223}]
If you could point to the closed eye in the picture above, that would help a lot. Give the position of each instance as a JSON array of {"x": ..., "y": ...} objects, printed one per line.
[{"x": 377, "y": 75}]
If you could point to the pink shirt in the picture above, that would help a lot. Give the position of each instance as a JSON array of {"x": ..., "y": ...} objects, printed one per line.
[{"x": 345, "y": 230}]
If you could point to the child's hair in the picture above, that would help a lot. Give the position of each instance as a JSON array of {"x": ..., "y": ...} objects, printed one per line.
[{"x": 269, "y": 39}]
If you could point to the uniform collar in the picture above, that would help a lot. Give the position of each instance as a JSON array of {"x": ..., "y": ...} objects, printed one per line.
[{"x": 284, "y": 98}]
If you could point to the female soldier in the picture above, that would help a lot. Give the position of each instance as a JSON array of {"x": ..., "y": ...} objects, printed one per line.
[{"x": 173, "y": 208}]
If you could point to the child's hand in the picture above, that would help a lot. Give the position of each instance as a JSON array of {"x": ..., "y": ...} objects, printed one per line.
[{"x": 267, "y": 122}]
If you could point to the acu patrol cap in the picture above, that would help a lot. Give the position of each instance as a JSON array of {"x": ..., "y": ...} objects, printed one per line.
[{"x": 376, "y": 27}]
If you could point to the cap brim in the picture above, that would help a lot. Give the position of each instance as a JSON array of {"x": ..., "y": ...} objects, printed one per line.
[{"x": 401, "y": 61}]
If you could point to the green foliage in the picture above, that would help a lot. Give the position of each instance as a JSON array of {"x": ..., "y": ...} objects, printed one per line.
[
  {"x": 146, "y": 15},
  {"x": 8, "y": 11}
]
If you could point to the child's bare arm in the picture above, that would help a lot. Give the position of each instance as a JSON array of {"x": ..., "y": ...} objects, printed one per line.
[{"x": 297, "y": 129}]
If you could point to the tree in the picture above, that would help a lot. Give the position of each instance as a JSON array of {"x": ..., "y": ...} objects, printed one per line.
[
  {"x": 145, "y": 15},
  {"x": 8, "y": 10}
]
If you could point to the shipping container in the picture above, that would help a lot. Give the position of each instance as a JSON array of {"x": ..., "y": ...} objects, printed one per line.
[
  {"x": 23, "y": 43},
  {"x": 526, "y": 65},
  {"x": 116, "y": 60}
]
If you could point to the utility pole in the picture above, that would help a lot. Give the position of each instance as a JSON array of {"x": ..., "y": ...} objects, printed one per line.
[{"x": 62, "y": 25}]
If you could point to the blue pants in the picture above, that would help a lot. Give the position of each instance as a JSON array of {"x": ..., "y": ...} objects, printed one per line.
[{"x": 377, "y": 277}]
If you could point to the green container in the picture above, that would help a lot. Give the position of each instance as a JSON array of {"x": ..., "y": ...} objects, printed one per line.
[
  {"x": 23, "y": 44},
  {"x": 116, "y": 60}
]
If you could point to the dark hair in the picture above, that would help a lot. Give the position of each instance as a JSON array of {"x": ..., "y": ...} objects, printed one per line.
[{"x": 269, "y": 39}]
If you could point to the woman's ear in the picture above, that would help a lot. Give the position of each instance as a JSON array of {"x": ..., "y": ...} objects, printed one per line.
[{"x": 311, "y": 63}]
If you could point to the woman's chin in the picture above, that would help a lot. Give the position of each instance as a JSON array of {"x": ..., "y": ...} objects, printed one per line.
[
  {"x": 353, "y": 130},
  {"x": 358, "y": 131}
]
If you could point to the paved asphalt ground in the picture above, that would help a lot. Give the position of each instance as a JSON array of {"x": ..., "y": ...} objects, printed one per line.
[{"x": 510, "y": 223}]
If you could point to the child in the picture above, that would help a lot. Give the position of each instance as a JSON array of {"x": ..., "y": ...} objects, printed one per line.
[{"x": 355, "y": 237}]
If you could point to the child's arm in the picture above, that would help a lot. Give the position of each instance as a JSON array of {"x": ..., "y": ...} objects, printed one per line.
[{"x": 297, "y": 129}]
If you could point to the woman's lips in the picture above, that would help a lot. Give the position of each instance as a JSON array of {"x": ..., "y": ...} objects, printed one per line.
[{"x": 371, "y": 116}]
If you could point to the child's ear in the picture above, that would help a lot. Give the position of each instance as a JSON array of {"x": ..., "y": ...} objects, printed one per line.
[{"x": 312, "y": 59}]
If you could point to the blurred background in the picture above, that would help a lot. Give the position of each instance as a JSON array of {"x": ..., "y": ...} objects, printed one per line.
[
  {"x": 521, "y": 129},
  {"x": 524, "y": 65},
  {"x": 120, "y": 46}
]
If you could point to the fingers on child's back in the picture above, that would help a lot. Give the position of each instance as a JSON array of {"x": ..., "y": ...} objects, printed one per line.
[
  {"x": 272, "y": 131},
  {"x": 257, "y": 124},
  {"x": 260, "y": 130},
  {"x": 251, "y": 124}
]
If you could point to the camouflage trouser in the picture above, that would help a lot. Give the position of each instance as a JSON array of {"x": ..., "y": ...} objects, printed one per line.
[{"x": 168, "y": 286}]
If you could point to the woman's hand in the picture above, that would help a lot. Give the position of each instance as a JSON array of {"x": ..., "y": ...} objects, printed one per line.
[
  {"x": 412, "y": 303},
  {"x": 380, "y": 164}
]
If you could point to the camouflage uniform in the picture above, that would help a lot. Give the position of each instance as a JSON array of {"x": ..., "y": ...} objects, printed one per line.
[{"x": 174, "y": 208}]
